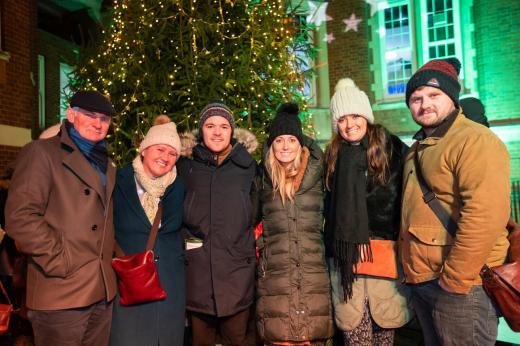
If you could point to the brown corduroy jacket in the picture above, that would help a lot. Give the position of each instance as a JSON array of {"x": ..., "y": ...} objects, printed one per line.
[{"x": 60, "y": 215}]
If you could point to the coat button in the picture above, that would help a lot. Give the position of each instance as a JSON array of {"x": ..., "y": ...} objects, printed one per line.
[
  {"x": 433, "y": 240},
  {"x": 87, "y": 192},
  {"x": 248, "y": 261},
  {"x": 156, "y": 258},
  {"x": 94, "y": 227},
  {"x": 297, "y": 264},
  {"x": 101, "y": 256}
]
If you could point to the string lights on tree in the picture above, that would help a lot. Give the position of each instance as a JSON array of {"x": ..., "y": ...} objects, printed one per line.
[{"x": 174, "y": 56}]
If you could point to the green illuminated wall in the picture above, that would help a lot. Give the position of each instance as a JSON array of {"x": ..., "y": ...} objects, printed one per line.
[{"x": 497, "y": 43}]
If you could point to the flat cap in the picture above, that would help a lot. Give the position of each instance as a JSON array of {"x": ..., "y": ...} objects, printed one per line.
[{"x": 93, "y": 101}]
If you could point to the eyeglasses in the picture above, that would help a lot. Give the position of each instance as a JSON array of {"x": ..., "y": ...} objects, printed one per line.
[{"x": 93, "y": 115}]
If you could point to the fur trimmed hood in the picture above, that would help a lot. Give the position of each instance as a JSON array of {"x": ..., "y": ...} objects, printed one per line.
[{"x": 242, "y": 136}]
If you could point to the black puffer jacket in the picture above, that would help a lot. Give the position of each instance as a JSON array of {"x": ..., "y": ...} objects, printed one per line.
[
  {"x": 294, "y": 301},
  {"x": 217, "y": 209}
]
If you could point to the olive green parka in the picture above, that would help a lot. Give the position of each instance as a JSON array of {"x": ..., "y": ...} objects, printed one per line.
[{"x": 293, "y": 294}]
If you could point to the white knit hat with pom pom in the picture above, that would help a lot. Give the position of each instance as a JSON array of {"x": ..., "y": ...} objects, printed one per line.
[
  {"x": 348, "y": 99},
  {"x": 163, "y": 131}
]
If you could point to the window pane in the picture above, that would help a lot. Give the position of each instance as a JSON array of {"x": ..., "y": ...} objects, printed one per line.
[
  {"x": 388, "y": 15},
  {"x": 398, "y": 67},
  {"x": 431, "y": 35},
  {"x": 442, "y": 51},
  {"x": 430, "y": 20},
  {"x": 439, "y": 5},
  {"x": 433, "y": 54},
  {"x": 429, "y": 5},
  {"x": 440, "y": 33},
  {"x": 451, "y": 49}
]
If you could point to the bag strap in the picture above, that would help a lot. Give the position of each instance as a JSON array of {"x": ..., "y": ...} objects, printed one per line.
[
  {"x": 5, "y": 293},
  {"x": 151, "y": 238},
  {"x": 155, "y": 228},
  {"x": 430, "y": 198}
]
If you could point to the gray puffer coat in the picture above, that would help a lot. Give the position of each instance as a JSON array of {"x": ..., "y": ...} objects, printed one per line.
[{"x": 293, "y": 294}]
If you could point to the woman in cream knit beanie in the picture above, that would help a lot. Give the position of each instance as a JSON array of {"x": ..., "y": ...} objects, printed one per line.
[
  {"x": 363, "y": 177},
  {"x": 348, "y": 99},
  {"x": 151, "y": 179}
]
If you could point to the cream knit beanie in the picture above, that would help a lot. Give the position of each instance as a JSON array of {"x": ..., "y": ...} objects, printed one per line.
[
  {"x": 164, "y": 131},
  {"x": 348, "y": 99}
]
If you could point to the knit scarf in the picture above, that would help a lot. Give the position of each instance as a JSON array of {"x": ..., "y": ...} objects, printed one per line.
[
  {"x": 154, "y": 187},
  {"x": 95, "y": 153},
  {"x": 348, "y": 214}
]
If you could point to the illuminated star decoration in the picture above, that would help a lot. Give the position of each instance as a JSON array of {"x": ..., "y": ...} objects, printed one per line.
[
  {"x": 373, "y": 6},
  {"x": 352, "y": 23},
  {"x": 317, "y": 13},
  {"x": 328, "y": 38}
]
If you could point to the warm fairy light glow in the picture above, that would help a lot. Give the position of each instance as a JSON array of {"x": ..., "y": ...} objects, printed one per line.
[{"x": 173, "y": 57}]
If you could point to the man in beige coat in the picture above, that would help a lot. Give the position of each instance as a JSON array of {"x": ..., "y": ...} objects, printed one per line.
[
  {"x": 59, "y": 212},
  {"x": 467, "y": 167}
]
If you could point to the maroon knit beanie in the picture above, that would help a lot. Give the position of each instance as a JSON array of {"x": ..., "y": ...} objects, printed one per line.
[{"x": 440, "y": 74}]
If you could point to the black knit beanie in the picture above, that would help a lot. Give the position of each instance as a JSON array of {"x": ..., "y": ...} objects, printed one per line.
[
  {"x": 440, "y": 74},
  {"x": 474, "y": 110},
  {"x": 286, "y": 122},
  {"x": 92, "y": 101}
]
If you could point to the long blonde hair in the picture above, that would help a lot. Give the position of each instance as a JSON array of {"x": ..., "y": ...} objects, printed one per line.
[
  {"x": 283, "y": 178},
  {"x": 377, "y": 155}
]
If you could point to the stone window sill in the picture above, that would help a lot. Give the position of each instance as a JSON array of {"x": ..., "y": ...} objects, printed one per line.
[{"x": 5, "y": 56}]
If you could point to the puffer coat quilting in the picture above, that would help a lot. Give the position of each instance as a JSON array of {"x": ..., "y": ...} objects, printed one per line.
[{"x": 293, "y": 287}]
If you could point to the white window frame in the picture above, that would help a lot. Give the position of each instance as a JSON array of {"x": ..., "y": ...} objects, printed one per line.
[
  {"x": 456, "y": 32},
  {"x": 382, "y": 42},
  {"x": 419, "y": 42}
]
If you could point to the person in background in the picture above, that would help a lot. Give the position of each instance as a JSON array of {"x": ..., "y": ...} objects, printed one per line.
[
  {"x": 467, "y": 168},
  {"x": 363, "y": 177},
  {"x": 474, "y": 110},
  {"x": 293, "y": 304},
  {"x": 151, "y": 179},
  {"x": 59, "y": 212},
  {"x": 218, "y": 229}
]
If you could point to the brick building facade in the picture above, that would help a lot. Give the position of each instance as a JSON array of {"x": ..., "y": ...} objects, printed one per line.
[
  {"x": 38, "y": 45},
  {"x": 18, "y": 73},
  {"x": 482, "y": 34}
]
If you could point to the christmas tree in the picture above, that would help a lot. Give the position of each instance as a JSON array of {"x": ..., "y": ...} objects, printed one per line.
[{"x": 174, "y": 56}]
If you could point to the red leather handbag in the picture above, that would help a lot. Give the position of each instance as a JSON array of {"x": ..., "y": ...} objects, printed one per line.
[
  {"x": 138, "y": 278},
  {"x": 502, "y": 285},
  {"x": 5, "y": 312}
]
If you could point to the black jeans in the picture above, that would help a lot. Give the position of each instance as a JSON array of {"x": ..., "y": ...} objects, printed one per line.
[{"x": 454, "y": 319}]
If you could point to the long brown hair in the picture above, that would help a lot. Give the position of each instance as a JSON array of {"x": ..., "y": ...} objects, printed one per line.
[
  {"x": 283, "y": 178},
  {"x": 377, "y": 155}
]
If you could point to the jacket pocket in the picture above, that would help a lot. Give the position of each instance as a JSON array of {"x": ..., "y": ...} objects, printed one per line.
[
  {"x": 60, "y": 265},
  {"x": 429, "y": 246}
]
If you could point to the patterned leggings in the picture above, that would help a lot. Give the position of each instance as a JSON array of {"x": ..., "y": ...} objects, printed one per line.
[{"x": 368, "y": 333}]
